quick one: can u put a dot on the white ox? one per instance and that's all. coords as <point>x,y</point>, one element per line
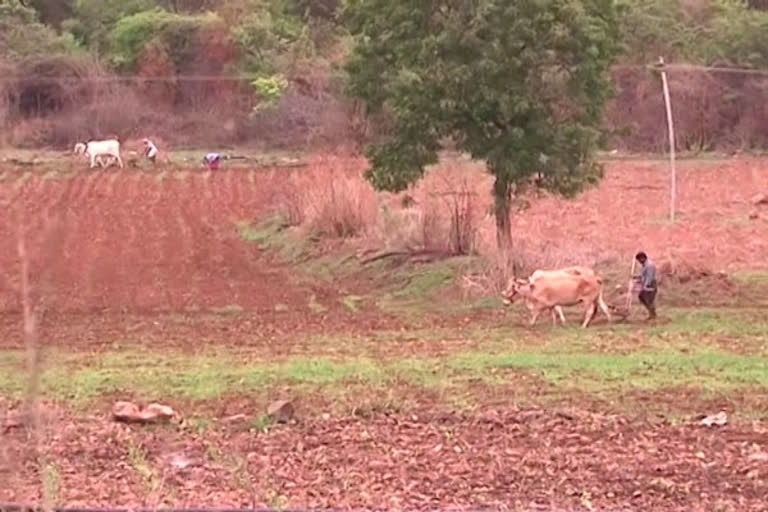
<point>509,294</point>
<point>96,149</point>
<point>551,289</point>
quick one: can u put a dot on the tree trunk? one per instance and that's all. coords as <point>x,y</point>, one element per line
<point>501,197</point>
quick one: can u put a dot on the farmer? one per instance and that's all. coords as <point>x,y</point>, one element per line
<point>211,161</point>
<point>647,282</point>
<point>150,150</point>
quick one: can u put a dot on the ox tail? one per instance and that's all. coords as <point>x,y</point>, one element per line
<point>603,305</point>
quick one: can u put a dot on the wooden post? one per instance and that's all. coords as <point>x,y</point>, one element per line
<point>630,286</point>
<point>671,132</point>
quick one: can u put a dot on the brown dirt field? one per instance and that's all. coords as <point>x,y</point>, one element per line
<point>126,251</point>
<point>119,243</point>
<point>508,460</point>
<point>629,211</point>
<point>131,241</point>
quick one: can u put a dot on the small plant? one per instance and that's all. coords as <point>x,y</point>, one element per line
<point>228,310</point>
<point>137,458</point>
<point>260,423</point>
<point>315,306</point>
<point>269,90</point>
<point>51,485</point>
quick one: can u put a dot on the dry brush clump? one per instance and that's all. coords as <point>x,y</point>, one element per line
<point>448,213</point>
<point>713,111</point>
<point>58,100</point>
<point>453,199</point>
<point>441,214</point>
<point>330,197</point>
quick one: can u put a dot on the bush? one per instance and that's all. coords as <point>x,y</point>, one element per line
<point>737,35</point>
<point>93,19</point>
<point>269,90</point>
<point>178,32</point>
<point>23,36</point>
<point>330,198</point>
<point>47,85</point>
<point>262,37</point>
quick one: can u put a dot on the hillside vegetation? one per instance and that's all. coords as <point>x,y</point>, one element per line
<point>290,58</point>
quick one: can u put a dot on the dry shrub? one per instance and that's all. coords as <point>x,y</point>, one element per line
<point>432,227</point>
<point>6,96</point>
<point>330,197</point>
<point>50,84</point>
<point>154,61</point>
<point>440,214</point>
<point>302,119</point>
<point>59,100</point>
<point>450,197</point>
<point>527,254</point>
<point>116,111</point>
<point>290,198</point>
<point>711,110</point>
<point>449,222</point>
<point>683,271</point>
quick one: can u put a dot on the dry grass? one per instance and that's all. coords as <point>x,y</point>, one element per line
<point>330,198</point>
<point>450,212</point>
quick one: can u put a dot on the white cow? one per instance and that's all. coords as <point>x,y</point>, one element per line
<point>509,294</point>
<point>96,149</point>
<point>564,287</point>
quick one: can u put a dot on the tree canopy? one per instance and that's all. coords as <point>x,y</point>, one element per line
<point>519,85</point>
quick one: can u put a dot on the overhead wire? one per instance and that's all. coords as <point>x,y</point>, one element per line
<point>241,77</point>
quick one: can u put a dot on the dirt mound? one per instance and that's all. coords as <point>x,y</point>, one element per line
<point>682,272</point>
<point>685,283</point>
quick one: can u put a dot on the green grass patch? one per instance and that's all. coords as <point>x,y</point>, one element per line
<point>350,302</point>
<point>415,288</point>
<point>230,309</point>
<point>644,370</point>
<point>272,235</point>
<point>264,234</point>
<point>757,278</point>
<point>700,355</point>
<point>331,266</point>
<point>609,375</point>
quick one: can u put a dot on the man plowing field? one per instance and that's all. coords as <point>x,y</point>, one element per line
<point>647,282</point>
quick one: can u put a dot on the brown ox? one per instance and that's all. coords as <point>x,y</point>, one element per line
<point>560,288</point>
<point>509,293</point>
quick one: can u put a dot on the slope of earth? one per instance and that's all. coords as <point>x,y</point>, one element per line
<point>102,245</point>
<point>108,241</point>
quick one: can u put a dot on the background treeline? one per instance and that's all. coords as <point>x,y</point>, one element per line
<point>64,68</point>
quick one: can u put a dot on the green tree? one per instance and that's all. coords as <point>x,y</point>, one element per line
<point>265,34</point>
<point>177,32</point>
<point>93,20</point>
<point>22,35</point>
<point>519,85</point>
<point>52,12</point>
<point>653,28</point>
<point>736,35</point>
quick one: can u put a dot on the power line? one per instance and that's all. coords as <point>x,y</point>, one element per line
<point>243,77</point>
<point>694,67</point>
<point>137,78</point>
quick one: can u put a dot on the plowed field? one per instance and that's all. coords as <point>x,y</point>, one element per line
<point>150,294</point>
<point>122,241</point>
